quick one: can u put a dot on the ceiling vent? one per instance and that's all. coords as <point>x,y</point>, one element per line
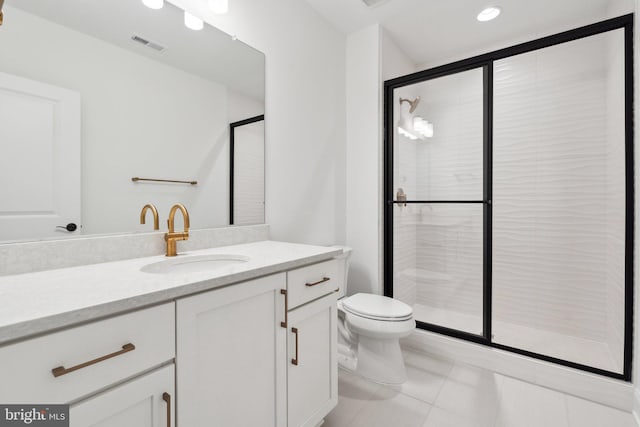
<point>372,3</point>
<point>148,43</point>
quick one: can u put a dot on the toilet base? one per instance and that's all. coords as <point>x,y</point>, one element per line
<point>380,360</point>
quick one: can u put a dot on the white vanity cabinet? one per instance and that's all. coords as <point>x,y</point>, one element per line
<point>312,373</point>
<point>231,356</point>
<point>145,401</point>
<point>312,380</point>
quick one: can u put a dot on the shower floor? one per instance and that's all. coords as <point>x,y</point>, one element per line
<point>565,347</point>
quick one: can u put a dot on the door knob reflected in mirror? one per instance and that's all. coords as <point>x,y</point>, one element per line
<point>71,227</point>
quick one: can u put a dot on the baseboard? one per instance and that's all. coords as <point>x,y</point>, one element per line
<point>607,391</point>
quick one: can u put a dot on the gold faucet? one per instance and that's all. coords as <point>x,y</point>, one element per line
<point>154,211</point>
<point>171,236</point>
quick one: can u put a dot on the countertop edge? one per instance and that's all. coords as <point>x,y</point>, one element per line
<point>21,331</point>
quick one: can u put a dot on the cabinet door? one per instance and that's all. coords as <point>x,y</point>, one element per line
<point>143,402</point>
<point>231,365</point>
<point>313,367</point>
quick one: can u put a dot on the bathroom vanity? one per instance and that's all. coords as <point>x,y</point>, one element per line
<point>234,336</point>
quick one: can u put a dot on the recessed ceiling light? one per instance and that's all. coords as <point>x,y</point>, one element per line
<point>489,13</point>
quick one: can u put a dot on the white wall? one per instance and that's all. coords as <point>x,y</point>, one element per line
<point>363,160</point>
<point>372,57</point>
<point>393,61</point>
<point>305,114</point>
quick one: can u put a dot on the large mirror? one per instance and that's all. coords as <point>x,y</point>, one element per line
<point>94,94</point>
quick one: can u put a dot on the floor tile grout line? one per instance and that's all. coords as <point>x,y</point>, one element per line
<point>426,417</point>
<point>435,399</point>
<point>496,416</point>
<point>430,406</point>
<point>566,408</point>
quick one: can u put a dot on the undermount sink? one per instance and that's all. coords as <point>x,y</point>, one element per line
<point>193,263</point>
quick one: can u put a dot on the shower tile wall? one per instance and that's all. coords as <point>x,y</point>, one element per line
<point>615,201</point>
<point>558,231</point>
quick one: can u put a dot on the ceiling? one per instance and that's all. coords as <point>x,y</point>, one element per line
<point>209,53</point>
<point>434,32</point>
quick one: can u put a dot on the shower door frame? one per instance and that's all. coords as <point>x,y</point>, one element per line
<point>232,159</point>
<point>485,62</point>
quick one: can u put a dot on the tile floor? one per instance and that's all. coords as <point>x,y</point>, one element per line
<point>443,394</point>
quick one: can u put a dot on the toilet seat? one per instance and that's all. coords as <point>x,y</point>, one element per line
<point>377,307</point>
<point>381,330</point>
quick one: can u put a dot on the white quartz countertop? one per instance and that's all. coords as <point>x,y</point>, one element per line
<point>35,303</point>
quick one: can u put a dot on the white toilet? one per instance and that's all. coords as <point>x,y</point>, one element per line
<point>369,329</point>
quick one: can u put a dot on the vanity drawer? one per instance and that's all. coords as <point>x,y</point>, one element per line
<point>88,357</point>
<point>308,283</point>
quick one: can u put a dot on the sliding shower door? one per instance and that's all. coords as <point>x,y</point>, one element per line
<point>438,212</point>
<point>509,198</point>
<point>559,201</point>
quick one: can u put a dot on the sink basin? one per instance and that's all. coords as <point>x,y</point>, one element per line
<point>193,263</point>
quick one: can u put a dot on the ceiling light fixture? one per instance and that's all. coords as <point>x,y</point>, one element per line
<point>219,6</point>
<point>489,13</point>
<point>193,22</point>
<point>153,4</point>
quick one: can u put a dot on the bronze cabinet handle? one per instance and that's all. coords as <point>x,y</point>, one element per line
<point>286,308</point>
<point>295,359</point>
<point>324,279</point>
<point>167,398</point>
<point>61,370</point>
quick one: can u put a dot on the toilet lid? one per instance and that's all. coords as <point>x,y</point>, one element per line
<point>377,307</point>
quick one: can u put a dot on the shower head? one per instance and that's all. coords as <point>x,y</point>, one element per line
<point>413,104</point>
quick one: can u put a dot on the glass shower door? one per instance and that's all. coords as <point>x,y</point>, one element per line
<point>558,272</point>
<point>439,203</point>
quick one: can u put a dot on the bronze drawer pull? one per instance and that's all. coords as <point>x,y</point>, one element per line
<point>324,279</point>
<point>167,398</point>
<point>61,370</point>
<point>295,360</point>
<point>286,308</point>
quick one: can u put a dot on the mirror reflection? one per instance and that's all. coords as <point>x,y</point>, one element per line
<point>93,94</point>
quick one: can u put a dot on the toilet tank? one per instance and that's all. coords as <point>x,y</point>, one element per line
<point>343,259</point>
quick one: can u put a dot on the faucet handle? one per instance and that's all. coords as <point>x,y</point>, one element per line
<point>176,236</point>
